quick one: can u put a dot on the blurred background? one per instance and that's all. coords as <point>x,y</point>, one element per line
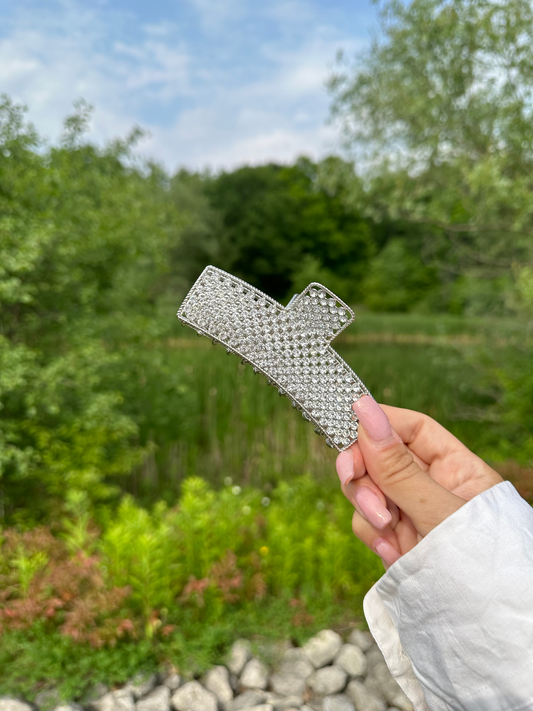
<point>156,499</point>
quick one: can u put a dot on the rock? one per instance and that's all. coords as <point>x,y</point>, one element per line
<point>156,700</point>
<point>380,682</point>
<point>173,681</point>
<point>321,649</point>
<point>217,681</point>
<point>94,694</point>
<point>272,652</point>
<point>68,707</point>
<point>328,680</point>
<point>315,704</point>
<point>120,700</point>
<point>363,640</point>
<point>193,697</point>
<point>255,675</point>
<point>352,660</point>
<point>240,654</point>
<point>362,699</point>
<point>305,708</point>
<point>374,656</point>
<point>8,704</point>
<point>261,707</point>
<point>48,699</point>
<point>340,702</point>
<point>284,703</point>
<point>290,678</point>
<point>248,699</point>
<point>141,684</point>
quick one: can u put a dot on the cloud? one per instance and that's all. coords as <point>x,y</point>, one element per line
<point>210,93</point>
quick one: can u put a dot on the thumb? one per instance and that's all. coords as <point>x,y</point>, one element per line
<point>393,468</point>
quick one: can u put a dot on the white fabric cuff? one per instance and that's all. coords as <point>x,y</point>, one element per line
<point>454,616</point>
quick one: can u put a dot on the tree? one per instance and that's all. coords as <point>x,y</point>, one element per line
<point>442,103</point>
<point>278,227</point>
<point>84,241</point>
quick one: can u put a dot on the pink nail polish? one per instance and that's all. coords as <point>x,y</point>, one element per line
<point>384,549</point>
<point>373,419</point>
<point>371,507</point>
<point>344,465</point>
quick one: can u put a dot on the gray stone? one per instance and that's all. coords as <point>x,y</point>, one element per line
<point>290,678</point>
<point>68,707</point>
<point>141,684</point>
<point>328,680</point>
<point>173,681</point>
<point>374,656</point>
<point>217,681</point>
<point>120,700</point>
<point>381,682</point>
<point>248,699</point>
<point>48,699</point>
<point>261,707</point>
<point>363,640</point>
<point>94,694</point>
<point>363,699</point>
<point>239,655</point>
<point>321,649</point>
<point>287,685</point>
<point>156,700</point>
<point>284,703</point>
<point>8,704</point>
<point>255,675</point>
<point>305,708</point>
<point>352,660</point>
<point>340,702</point>
<point>193,697</point>
<point>272,652</point>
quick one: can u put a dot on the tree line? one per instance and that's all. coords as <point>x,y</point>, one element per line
<point>97,248</point>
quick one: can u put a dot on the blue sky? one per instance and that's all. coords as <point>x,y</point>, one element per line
<point>217,83</point>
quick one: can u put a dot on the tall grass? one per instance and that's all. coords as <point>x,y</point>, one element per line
<point>239,427</point>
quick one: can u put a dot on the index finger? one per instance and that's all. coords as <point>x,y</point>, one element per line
<point>423,435</point>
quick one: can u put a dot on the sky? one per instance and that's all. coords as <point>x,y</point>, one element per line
<point>216,83</point>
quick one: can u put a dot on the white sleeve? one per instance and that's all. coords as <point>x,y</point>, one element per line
<point>454,616</point>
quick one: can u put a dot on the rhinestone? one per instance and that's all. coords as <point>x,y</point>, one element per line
<point>289,346</point>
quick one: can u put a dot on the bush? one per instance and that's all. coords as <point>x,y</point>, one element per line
<point>181,582</point>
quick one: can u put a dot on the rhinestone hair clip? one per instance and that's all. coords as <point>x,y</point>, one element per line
<point>290,345</point>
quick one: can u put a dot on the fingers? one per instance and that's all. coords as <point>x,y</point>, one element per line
<point>370,502</point>
<point>394,470</point>
<point>350,464</point>
<point>384,543</point>
<point>424,436</point>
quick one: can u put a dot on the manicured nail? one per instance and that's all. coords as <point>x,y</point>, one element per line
<point>384,549</point>
<point>372,508</point>
<point>344,466</point>
<point>373,419</point>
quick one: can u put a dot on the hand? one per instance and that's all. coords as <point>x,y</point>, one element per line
<point>405,475</point>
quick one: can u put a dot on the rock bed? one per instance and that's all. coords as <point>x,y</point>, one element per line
<point>326,674</point>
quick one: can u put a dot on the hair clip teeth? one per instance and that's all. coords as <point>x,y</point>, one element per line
<point>289,345</point>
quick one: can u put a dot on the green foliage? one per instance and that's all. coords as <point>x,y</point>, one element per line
<point>182,582</point>
<point>443,101</point>
<point>396,279</point>
<point>77,277</point>
<point>277,226</point>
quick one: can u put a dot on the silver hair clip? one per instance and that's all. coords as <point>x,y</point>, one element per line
<point>290,345</point>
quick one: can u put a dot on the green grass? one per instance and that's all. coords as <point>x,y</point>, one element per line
<point>239,427</point>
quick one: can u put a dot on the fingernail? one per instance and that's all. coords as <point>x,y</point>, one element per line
<point>384,549</point>
<point>373,419</point>
<point>372,508</point>
<point>344,466</point>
